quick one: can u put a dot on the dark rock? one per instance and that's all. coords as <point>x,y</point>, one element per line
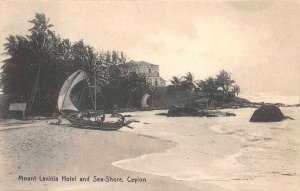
<point>128,116</point>
<point>190,111</point>
<point>163,114</point>
<point>267,113</point>
<point>211,115</point>
<point>229,114</point>
<point>182,111</point>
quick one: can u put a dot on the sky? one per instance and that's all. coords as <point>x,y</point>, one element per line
<point>258,42</point>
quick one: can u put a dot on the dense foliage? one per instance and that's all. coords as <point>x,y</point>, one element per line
<point>40,62</point>
<point>220,89</point>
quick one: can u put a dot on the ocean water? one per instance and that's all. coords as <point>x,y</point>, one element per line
<point>230,152</point>
<point>271,98</point>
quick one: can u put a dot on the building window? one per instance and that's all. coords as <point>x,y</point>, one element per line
<point>156,83</point>
<point>149,70</point>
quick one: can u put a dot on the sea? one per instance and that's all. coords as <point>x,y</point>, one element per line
<point>229,152</point>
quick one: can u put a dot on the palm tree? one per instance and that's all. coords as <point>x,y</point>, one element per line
<point>35,60</point>
<point>42,57</point>
<point>43,44</point>
<point>14,68</point>
<point>176,86</point>
<point>236,90</point>
<point>188,84</point>
<point>41,23</point>
<point>137,85</point>
<point>208,87</point>
<point>225,82</point>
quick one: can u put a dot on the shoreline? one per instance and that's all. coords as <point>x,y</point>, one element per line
<point>47,151</point>
<point>208,153</point>
<point>232,105</point>
<point>231,171</point>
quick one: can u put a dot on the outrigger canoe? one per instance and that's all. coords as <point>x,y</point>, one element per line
<point>64,104</point>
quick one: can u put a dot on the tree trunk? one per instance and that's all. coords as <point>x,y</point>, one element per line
<point>34,90</point>
<point>128,101</point>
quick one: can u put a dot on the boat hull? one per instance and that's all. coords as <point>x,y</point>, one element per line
<point>88,124</point>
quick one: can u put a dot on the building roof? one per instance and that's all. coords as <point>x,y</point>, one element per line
<point>140,63</point>
<point>162,79</point>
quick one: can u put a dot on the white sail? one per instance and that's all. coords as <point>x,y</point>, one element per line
<point>144,100</point>
<point>64,102</point>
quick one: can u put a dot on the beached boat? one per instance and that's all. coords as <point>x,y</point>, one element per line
<point>74,116</point>
<point>89,124</point>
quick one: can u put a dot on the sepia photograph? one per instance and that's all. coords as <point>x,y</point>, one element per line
<point>184,95</point>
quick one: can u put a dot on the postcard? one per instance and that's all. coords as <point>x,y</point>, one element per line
<point>149,95</point>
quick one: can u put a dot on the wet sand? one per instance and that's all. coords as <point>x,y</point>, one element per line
<point>47,150</point>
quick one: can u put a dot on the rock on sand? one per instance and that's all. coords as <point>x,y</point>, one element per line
<point>267,113</point>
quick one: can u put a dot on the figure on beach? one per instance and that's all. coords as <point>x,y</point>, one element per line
<point>88,115</point>
<point>102,119</point>
<point>122,119</point>
<point>96,116</point>
<point>79,115</point>
<point>59,120</point>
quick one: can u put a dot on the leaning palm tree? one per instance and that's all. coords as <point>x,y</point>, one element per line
<point>43,45</point>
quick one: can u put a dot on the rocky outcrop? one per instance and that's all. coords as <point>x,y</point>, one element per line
<point>190,111</point>
<point>268,113</point>
<point>182,111</point>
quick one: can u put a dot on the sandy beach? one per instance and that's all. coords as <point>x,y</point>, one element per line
<point>185,153</point>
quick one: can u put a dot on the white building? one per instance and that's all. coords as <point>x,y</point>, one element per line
<point>151,71</point>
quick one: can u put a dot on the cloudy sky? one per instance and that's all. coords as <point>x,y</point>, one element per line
<point>257,41</point>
